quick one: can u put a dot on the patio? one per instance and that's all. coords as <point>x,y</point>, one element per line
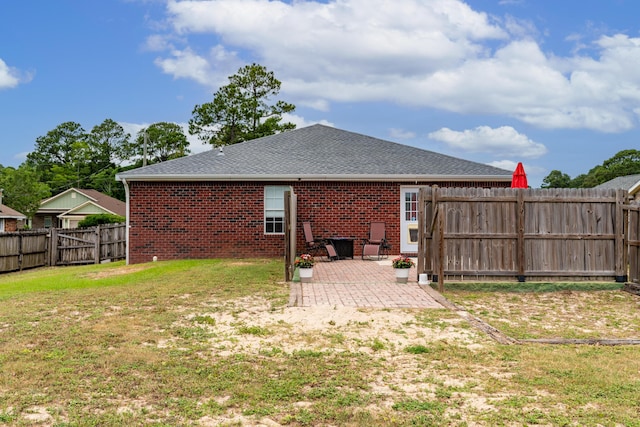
<point>360,283</point>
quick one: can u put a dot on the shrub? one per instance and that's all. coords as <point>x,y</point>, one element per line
<point>97,219</point>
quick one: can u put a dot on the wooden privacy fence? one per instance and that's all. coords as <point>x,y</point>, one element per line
<point>56,246</point>
<point>541,234</point>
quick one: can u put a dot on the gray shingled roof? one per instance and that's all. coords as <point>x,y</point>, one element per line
<point>7,212</point>
<point>621,182</point>
<point>317,152</point>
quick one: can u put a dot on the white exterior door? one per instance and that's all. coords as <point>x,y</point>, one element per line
<point>409,219</point>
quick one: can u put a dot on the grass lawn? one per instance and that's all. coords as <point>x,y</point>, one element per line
<point>212,342</point>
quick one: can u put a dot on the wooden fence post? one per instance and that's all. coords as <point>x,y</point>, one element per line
<point>437,241</point>
<point>20,254</point>
<point>620,255</point>
<point>421,232</point>
<point>96,255</point>
<point>441,250</point>
<point>520,242</point>
<point>53,247</point>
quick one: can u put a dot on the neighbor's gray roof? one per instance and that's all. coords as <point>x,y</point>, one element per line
<point>627,183</point>
<point>317,152</point>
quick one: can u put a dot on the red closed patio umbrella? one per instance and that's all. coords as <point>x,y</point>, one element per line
<point>519,178</point>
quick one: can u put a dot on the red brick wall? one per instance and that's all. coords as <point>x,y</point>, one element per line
<point>179,220</point>
<point>346,209</point>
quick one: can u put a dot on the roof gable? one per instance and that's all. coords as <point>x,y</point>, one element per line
<point>75,197</point>
<point>318,152</point>
<point>65,200</point>
<point>87,208</point>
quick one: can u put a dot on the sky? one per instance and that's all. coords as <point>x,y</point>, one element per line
<point>552,84</point>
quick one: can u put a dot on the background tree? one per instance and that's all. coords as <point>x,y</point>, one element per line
<point>165,141</point>
<point>67,156</point>
<point>556,179</point>
<point>22,189</point>
<point>241,111</point>
<point>107,143</point>
<point>59,156</point>
<point>625,162</point>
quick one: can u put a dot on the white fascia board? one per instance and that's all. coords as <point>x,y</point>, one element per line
<point>634,189</point>
<point>12,217</point>
<point>356,178</point>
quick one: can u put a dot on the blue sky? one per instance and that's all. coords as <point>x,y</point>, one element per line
<point>553,84</point>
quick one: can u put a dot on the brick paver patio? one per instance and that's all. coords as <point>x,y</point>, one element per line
<point>358,283</point>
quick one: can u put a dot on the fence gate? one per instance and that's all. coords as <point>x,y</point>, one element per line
<point>290,215</point>
<point>523,234</point>
<point>633,243</point>
<point>80,246</point>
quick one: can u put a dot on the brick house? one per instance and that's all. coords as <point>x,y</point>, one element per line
<point>229,202</point>
<point>9,218</point>
<point>67,209</point>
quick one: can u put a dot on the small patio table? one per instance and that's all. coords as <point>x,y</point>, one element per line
<point>343,245</point>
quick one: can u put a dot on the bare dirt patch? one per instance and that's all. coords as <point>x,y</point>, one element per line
<point>565,314</point>
<point>116,272</point>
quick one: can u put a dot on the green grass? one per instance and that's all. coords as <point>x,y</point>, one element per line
<point>531,286</point>
<point>181,343</point>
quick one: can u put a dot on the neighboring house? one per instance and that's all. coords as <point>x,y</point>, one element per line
<point>67,209</point>
<point>9,218</point>
<point>630,183</point>
<point>229,202</point>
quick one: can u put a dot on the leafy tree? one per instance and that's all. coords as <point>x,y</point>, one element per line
<point>22,190</point>
<point>164,141</point>
<point>64,147</point>
<point>67,156</point>
<point>625,162</point>
<point>556,179</point>
<point>106,143</point>
<point>241,111</point>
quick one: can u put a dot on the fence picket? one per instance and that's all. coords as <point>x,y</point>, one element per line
<point>583,234</point>
<point>29,249</point>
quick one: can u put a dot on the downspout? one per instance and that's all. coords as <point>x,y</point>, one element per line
<point>128,214</point>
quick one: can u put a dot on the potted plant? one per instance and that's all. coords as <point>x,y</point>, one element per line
<point>402,264</point>
<point>305,267</point>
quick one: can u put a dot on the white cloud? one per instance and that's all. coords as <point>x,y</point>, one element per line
<point>340,39</point>
<point>439,54</point>
<point>9,77</point>
<point>316,104</point>
<point>535,174</point>
<point>187,64</point>
<point>22,156</point>
<point>301,122</point>
<point>401,134</point>
<point>509,165</point>
<point>504,140</point>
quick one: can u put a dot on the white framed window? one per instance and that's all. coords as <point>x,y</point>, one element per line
<point>274,209</point>
<point>48,222</point>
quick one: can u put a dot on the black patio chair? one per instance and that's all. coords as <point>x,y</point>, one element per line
<point>314,246</point>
